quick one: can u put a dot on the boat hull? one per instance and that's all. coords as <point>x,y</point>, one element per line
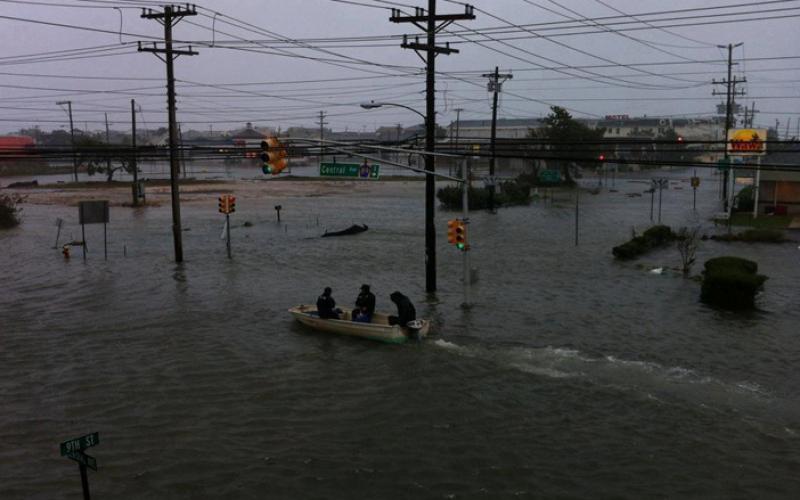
<point>379,329</point>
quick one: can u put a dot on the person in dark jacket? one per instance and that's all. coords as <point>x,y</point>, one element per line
<point>365,305</point>
<point>405,310</point>
<point>326,306</point>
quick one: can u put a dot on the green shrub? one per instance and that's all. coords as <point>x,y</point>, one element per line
<point>744,200</point>
<point>731,283</point>
<point>727,263</point>
<point>508,193</point>
<point>659,235</point>
<point>654,237</point>
<point>9,211</point>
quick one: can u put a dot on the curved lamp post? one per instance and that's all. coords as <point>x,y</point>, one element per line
<point>373,105</point>
<point>430,233</point>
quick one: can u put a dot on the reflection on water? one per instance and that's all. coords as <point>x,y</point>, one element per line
<point>571,374</point>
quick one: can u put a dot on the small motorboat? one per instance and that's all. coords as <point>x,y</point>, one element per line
<point>379,329</point>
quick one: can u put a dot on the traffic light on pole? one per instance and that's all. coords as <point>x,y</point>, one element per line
<point>231,204</point>
<point>452,224</point>
<point>223,204</point>
<point>273,156</point>
<point>461,235</point>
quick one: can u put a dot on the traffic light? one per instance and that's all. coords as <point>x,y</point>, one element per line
<point>223,204</point>
<point>452,224</point>
<point>273,156</point>
<point>231,204</point>
<point>602,157</point>
<point>461,235</point>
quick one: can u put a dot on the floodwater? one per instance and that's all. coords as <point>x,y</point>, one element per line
<point>572,376</point>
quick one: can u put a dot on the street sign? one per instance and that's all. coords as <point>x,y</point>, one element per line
<point>93,212</point>
<point>550,176</point>
<point>723,164</point>
<point>83,459</point>
<point>81,443</point>
<point>362,171</point>
<point>695,182</point>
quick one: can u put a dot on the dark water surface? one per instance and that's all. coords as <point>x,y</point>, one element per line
<point>573,375</point>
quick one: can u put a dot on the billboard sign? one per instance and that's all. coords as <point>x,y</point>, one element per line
<point>747,141</point>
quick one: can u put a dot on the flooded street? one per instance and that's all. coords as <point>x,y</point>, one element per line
<point>572,376</point>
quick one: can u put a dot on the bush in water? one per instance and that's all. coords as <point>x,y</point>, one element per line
<point>654,237</point>
<point>9,211</point>
<point>731,283</point>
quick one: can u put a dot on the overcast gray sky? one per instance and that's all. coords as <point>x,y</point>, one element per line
<point>278,63</point>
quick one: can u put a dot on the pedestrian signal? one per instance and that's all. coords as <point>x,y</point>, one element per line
<point>274,157</point>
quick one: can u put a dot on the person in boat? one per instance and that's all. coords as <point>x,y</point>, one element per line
<point>405,310</point>
<point>326,306</point>
<point>365,306</point>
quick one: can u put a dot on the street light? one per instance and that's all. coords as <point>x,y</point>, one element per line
<point>373,105</point>
<point>430,183</point>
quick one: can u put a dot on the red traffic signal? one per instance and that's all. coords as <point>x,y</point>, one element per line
<point>602,157</point>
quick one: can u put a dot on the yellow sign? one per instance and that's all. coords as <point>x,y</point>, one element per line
<point>747,141</point>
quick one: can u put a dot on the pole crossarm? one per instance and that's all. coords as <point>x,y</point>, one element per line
<point>421,17</point>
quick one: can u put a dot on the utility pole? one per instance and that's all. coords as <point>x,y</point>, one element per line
<point>322,124</point>
<point>134,167</point>
<point>108,142</point>
<point>730,92</point>
<point>171,16</point>
<point>454,144</point>
<point>427,21</point>
<point>72,137</point>
<point>495,85</point>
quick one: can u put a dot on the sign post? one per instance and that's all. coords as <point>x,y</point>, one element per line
<point>695,184</point>
<point>748,142</point>
<point>74,450</point>
<point>93,212</point>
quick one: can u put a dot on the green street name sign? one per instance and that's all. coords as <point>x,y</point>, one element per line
<point>550,176</point>
<point>80,444</point>
<point>349,170</point>
<point>83,459</point>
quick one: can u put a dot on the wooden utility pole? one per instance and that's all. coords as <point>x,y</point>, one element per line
<point>171,16</point>
<point>430,23</point>
<point>72,138</point>
<point>108,143</point>
<point>730,92</point>
<point>134,166</point>
<point>495,85</point>
<point>322,124</point>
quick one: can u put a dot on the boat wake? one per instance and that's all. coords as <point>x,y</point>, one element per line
<point>649,379</point>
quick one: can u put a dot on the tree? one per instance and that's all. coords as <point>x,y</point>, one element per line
<point>101,158</point>
<point>687,241</point>
<point>566,141</point>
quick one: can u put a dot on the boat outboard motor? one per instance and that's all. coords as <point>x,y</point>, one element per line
<point>413,328</point>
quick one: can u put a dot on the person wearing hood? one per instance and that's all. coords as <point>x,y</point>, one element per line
<point>365,306</point>
<point>405,310</point>
<point>326,306</point>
